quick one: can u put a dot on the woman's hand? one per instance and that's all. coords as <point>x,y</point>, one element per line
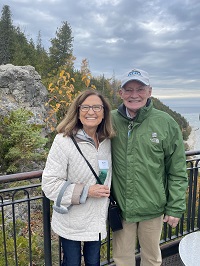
<point>98,191</point>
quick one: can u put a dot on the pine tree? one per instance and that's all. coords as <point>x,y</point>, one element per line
<point>6,33</point>
<point>42,58</point>
<point>61,48</point>
<point>21,142</point>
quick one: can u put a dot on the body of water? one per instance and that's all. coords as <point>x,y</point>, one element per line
<point>183,105</point>
<point>190,109</point>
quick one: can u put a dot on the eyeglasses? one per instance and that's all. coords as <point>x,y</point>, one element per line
<point>95,108</point>
<point>139,90</point>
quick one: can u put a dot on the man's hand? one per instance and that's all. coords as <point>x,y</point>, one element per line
<point>172,221</point>
<point>98,191</point>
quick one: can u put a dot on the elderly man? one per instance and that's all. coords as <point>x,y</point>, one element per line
<point>149,171</point>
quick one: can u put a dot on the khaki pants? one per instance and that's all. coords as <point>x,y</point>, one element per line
<point>148,233</point>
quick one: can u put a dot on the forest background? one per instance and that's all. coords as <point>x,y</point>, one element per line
<point>63,81</point>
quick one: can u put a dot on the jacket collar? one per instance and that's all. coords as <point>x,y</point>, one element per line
<point>81,135</point>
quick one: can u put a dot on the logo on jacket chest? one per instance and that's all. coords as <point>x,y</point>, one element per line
<point>154,138</point>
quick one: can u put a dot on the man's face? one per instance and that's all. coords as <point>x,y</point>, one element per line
<point>134,95</point>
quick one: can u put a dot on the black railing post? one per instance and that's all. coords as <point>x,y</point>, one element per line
<point>198,213</point>
<point>47,231</point>
<point>198,193</point>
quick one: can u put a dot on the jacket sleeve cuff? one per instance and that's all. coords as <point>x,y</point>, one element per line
<point>84,194</point>
<point>77,194</point>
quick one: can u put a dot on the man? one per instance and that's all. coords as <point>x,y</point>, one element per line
<point>149,172</point>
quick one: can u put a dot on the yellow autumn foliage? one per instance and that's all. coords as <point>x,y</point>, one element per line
<point>61,94</point>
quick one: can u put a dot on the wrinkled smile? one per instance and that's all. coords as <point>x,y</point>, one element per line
<point>134,101</point>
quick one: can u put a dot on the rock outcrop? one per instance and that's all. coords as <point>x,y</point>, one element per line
<point>21,87</point>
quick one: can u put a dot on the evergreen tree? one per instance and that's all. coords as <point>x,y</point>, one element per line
<point>20,49</point>
<point>6,32</point>
<point>39,46</point>
<point>61,48</point>
<point>42,58</point>
<point>16,49</point>
<point>21,142</point>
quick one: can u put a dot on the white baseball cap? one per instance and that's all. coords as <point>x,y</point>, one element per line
<point>135,74</point>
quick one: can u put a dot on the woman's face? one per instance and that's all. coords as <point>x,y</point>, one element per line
<point>91,117</point>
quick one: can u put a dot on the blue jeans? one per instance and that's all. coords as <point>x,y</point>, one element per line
<point>72,252</point>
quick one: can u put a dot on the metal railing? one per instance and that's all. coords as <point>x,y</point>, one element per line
<point>25,213</point>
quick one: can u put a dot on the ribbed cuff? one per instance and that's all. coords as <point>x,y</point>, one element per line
<point>77,193</point>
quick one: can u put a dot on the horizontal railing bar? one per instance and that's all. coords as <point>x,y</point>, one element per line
<point>20,176</point>
<point>190,153</point>
<point>7,203</point>
<point>20,188</point>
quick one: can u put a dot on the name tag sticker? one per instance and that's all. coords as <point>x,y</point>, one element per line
<point>103,164</point>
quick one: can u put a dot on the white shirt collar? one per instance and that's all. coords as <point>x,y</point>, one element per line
<point>128,114</point>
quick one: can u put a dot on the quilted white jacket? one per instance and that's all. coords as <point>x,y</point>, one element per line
<point>83,222</point>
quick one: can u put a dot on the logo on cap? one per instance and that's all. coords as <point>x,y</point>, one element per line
<point>134,72</point>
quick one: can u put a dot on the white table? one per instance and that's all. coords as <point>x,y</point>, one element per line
<point>189,249</point>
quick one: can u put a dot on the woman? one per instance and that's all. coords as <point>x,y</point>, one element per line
<point>80,203</point>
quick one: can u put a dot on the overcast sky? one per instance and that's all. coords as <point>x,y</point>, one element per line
<point>161,37</point>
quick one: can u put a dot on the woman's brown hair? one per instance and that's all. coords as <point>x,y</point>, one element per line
<point>71,123</point>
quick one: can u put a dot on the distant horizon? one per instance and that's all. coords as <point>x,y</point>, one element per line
<point>168,93</point>
<point>182,105</point>
<point>177,97</point>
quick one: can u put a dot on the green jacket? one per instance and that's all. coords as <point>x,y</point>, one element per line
<point>149,164</point>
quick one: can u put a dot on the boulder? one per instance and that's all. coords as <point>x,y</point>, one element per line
<point>21,87</point>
